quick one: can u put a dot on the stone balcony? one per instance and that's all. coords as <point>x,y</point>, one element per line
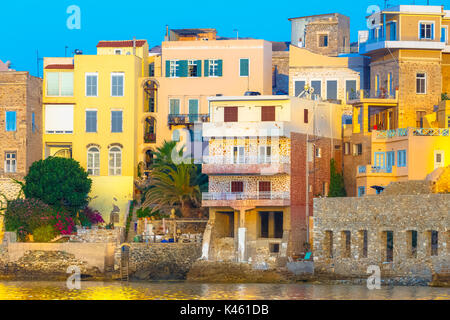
<point>225,165</point>
<point>246,199</point>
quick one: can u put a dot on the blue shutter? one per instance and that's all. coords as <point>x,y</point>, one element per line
<point>206,73</point>
<point>432,31</point>
<point>116,119</point>
<point>243,68</point>
<point>33,122</point>
<point>10,120</point>
<point>182,69</point>
<point>219,68</point>
<point>167,68</point>
<point>199,67</point>
<point>193,110</point>
<point>443,35</point>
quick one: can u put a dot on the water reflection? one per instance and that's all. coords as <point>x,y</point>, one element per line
<point>183,290</point>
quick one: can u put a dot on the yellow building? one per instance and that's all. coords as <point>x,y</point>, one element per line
<point>408,47</point>
<point>91,114</point>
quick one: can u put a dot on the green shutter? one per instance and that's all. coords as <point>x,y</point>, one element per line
<point>199,67</point>
<point>206,68</point>
<point>167,68</point>
<point>219,68</point>
<point>183,68</point>
<point>244,68</point>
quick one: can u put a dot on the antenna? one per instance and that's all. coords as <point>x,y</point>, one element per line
<point>37,61</point>
<point>237,33</point>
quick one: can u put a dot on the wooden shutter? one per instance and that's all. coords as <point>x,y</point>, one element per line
<point>264,186</point>
<point>199,67</point>
<point>219,68</point>
<point>206,72</point>
<point>237,186</point>
<point>268,114</point>
<point>244,68</point>
<point>230,114</point>
<point>182,69</point>
<point>305,115</point>
<point>167,68</point>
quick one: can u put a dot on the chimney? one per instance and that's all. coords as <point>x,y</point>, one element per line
<point>134,46</point>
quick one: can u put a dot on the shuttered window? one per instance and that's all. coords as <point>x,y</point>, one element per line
<point>116,121</point>
<point>11,120</point>
<point>237,186</point>
<point>91,84</point>
<point>331,90</point>
<point>174,106</point>
<point>299,87</point>
<point>244,67</point>
<point>264,186</point>
<point>230,114</point>
<point>268,114</point>
<point>91,121</point>
<point>305,116</point>
<point>117,84</point>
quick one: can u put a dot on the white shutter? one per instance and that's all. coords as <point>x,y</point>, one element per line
<point>59,118</point>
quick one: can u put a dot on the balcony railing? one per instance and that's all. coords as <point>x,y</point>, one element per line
<point>245,160</point>
<point>367,94</point>
<point>183,119</point>
<point>403,132</point>
<point>150,138</point>
<point>361,169</point>
<point>274,195</point>
<point>375,169</point>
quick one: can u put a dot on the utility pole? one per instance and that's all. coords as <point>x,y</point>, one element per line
<point>237,33</point>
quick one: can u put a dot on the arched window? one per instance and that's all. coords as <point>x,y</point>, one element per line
<point>115,161</point>
<point>93,161</point>
<point>176,135</point>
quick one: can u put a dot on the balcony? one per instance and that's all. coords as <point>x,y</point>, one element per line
<point>246,199</point>
<point>382,43</point>
<point>186,119</point>
<point>368,96</point>
<point>149,138</point>
<point>227,165</point>
<point>247,129</point>
<point>416,132</point>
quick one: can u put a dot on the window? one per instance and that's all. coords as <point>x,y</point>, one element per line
<point>421,83</point>
<point>377,85</point>
<point>361,191</point>
<point>230,114</point>
<point>193,110</point>
<point>419,118</point>
<point>317,86</point>
<point>264,188</point>
<point>426,31</point>
<point>379,159</point>
<point>118,51</point>
<point>318,152</point>
<point>265,154</point>
<point>332,89</point>
<point>10,162</point>
<point>323,40</point>
<point>237,186</point>
<point>174,106</point>
<point>444,34</point>
<point>328,244</point>
<point>350,89</point>
<point>393,31</point>
<point>116,121</point>
<point>347,148</point>
<point>117,83</point>
<point>91,120</point>
<point>346,244</point>
<point>91,84</point>
<point>448,121</point>
<point>151,69</point>
<point>390,83</point>
<point>244,67</point>
<point>357,149</point>
<point>11,120</point>
<point>267,113</point>
<point>401,158</point>
<point>412,243</point>
<point>438,159</point>
<point>299,87</point>
<point>173,70</point>
<point>192,68</point>
<point>238,154</point>
<point>271,226</point>
<point>115,161</point>
<point>33,122</point>
<point>59,119</point>
<point>305,115</point>
<point>176,135</point>
<point>213,68</point>
<point>363,243</point>
<point>434,235</point>
<point>388,239</point>
<point>93,161</point>
<point>60,84</point>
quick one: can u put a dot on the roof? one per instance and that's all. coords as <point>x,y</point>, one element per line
<point>120,43</point>
<point>155,49</point>
<point>317,15</point>
<point>195,31</point>
<point>280,45</point>
<point>60,66</point>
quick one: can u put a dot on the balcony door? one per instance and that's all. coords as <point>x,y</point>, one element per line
<point>379,160</point>
<point>265,154</point>
<point>264,189</point>
<point>390,160</point>
<point>239,154</point>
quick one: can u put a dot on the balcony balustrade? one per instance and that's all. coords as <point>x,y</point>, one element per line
<point>418,132</point>
<point>149,137</point>
<point>187,119</point>
<point>271,195</point>
<point>245,160</point>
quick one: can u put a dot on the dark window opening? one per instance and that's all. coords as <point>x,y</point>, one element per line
<point>412,241</point>
<point>305,115</point>
<point>434,243</point>
<point>268,114</point>
<point>346,244</point>
<point>328,244</point>
<point>231,114</point>
<point>237,186</point>
<point>389,238</point>
<point>271,224</point>
<point>274,247</point>
<point>364,246</point>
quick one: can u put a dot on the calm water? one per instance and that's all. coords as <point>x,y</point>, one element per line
<point>30,290</point>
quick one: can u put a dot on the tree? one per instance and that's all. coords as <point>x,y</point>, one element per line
<point>336,182</point>
<point>58,182</point>
<point>173,187</point>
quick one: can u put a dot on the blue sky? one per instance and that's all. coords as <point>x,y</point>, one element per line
<point>29,25</point>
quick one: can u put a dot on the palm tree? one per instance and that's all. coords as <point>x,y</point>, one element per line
<point>173,186</point>
<point>164,154</point>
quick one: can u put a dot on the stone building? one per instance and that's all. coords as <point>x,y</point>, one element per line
<point>20,123</point>
<point>280,67</point>
<point>268,157</point>
<point>409,52</point>
<point>403,231</point>
<point>325,34</point>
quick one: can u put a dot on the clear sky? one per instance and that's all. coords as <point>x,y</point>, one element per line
<point>28,25</point>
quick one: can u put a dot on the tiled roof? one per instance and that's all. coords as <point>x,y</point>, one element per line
<point>59,66</point>
<point>120,44</point>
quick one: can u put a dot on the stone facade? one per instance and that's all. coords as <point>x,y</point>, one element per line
<point>22,93</point>
<point>96,235</point>
<point>280,67</point>
<point>342,224</point>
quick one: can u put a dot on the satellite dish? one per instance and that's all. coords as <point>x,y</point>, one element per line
<point>78,51</point>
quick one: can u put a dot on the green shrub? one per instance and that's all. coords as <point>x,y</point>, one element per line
<point>44,233</point>
<point>27,215</point>
<point>58,182</point>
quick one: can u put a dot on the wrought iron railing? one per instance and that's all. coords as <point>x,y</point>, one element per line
<point>263,195</point>
<point>180,119</point>
<point>403,132</point>
<point>245,160</point>
<point>149,137</point>
<point>377,169</point>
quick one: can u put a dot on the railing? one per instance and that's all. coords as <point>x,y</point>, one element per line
<point>150,138</point>
<point>376,169</point>
<point>245,160</point>
<point>180,119</point>
<point>403,132</point>
<point>275,195</point>
<point>367,94</point>
<point>343,50</point>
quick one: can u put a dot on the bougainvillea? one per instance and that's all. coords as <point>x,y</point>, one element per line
<point>89,217</point>
<point>63,223</point>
